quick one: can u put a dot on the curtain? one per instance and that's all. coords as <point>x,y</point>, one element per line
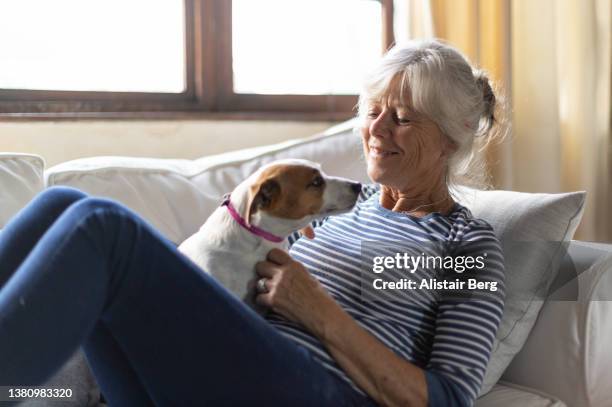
<point>552,60</point>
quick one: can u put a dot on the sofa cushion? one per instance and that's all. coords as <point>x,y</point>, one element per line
<point>511,395</point>
<point>534,230</point>
<point>76,376</point>
<point>21,177</point>
<point>177,196</point>
<point>568,352</point>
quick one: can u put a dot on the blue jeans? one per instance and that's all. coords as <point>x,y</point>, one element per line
<point>83,271</point>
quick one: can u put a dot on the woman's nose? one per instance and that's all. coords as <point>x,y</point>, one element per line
<point>380,126</point>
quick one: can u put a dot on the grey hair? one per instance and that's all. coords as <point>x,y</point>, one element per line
<point>444,87</point>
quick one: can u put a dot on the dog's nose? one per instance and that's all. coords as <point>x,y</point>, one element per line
<point>356,187</point>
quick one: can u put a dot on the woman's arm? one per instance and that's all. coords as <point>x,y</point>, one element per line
<point>389,379</point>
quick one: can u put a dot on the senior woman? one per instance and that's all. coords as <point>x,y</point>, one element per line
<point>77,270</point>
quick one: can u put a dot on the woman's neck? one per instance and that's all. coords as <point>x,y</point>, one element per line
<point>417,202</point>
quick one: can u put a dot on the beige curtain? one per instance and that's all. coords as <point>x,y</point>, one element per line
<point>552,58</point>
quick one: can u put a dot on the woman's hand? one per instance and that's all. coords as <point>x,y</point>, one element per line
<point>299,297</point>
<point>308,231</point>
<point>291,290</point>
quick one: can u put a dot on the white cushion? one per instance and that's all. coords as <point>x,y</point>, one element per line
<point>511,395</point>
<point>568,352</point>
<point>530,228</point>
<point>177,196</point>
<point>21,177</point>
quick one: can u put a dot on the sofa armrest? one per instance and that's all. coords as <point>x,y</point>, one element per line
<point>21,178</point>
<point>505,394</point>
<point>567,353</point>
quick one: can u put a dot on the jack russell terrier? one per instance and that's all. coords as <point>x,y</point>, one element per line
<point>259,215</point>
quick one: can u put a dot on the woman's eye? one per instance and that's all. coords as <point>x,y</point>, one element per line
<point>372,114</point>
<point>317,182</point>
<point>402,120</point>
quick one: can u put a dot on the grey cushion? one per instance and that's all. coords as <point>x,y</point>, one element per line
<point>531,228</point>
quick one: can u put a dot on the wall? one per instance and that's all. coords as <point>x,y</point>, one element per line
<point>66,140</point>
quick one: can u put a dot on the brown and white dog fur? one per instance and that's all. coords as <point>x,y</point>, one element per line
<point>280,198</point>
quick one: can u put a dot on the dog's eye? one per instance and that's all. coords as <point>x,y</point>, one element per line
<point>317,182</point>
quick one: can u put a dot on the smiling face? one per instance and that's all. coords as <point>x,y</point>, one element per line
<point>402,147</point>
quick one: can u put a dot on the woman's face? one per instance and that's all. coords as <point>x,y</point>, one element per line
<point>403,148</point>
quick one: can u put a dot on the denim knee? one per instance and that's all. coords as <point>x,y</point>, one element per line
<point>94,203</point>
<point>61,196</point>
<point>91,206</point>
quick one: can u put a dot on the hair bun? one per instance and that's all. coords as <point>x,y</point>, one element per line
<point>488,96</point>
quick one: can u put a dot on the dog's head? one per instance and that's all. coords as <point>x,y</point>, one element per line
<point>294,192</point>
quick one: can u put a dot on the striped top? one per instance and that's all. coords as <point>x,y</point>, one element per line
<point>450,337</point>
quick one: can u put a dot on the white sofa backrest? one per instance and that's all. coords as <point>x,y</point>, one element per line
<point>176,196</point>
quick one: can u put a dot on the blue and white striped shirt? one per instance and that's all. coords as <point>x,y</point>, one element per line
<point>448,337</point>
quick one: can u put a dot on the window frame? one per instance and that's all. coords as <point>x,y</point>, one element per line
<point>208,83</point>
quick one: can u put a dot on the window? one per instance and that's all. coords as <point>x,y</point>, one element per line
<point>189,56</point>
<point>326,57</point>
<point>95,48</point>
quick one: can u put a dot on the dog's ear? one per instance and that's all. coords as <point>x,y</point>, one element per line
<point>261,197</point>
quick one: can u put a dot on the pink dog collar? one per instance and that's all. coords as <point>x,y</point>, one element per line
<point>253,229</point>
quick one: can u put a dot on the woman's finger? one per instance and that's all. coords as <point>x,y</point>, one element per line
<point>308,231</point>
<point>279,256</point>
<point>263,299</point>
<point>266,269</point>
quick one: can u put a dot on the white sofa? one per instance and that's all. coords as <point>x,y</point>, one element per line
<point>564,361</point>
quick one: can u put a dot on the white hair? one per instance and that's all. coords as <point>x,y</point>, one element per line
<point>444,87</point>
